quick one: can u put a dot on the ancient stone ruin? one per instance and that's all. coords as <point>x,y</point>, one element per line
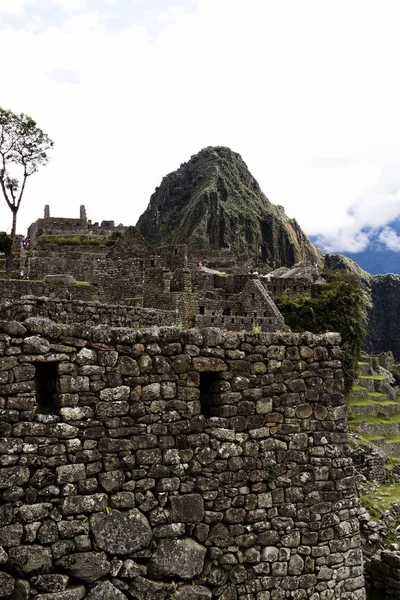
<point>157,463</point>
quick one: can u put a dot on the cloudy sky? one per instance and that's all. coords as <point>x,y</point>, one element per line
<point>306,91</point>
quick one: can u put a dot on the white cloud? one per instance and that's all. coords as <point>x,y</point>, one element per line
<point>13,7</point>
<point>71,6</point>
<point>305,91</point>
<point>389,237</point>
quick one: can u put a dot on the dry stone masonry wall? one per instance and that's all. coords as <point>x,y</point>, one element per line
<point>89,313</point>
<point>158,464</point>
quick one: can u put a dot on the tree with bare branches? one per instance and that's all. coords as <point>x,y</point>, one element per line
<point>23,149</point>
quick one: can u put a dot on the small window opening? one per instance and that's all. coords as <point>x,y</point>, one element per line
<point>47,387</point>
<point>152,263</point>
<point>176,251</point>
<point>253,297</point>
<point>226,311</point>
<point>141,264</point>
<point>209,393</point>
<point>201,310</point>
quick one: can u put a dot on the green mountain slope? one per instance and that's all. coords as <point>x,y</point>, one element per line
<point>212,202</point>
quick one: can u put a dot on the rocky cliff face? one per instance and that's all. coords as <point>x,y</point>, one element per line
<point>214,203</point>
<point>383,292</point>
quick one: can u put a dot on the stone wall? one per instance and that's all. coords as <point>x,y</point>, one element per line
<point>88,313</point>
<point>119,280</point>
<point>173,257</point>
<point>76,263</point>
<point>12,289</point>
<point>385,574</point>
<point>156,464</point>
<point>293,287</point>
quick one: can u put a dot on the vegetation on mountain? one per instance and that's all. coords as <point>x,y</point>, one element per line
<point>339,306</point>
<point>214,203</point>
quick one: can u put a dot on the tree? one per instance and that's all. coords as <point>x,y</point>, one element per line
<point>339,306</point>
<point>23,149</point>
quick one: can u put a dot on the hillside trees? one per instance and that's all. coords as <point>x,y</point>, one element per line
<point>23,149</point>
<point>339,306</point>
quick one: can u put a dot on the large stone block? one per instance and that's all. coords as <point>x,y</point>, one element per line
<point>29,560</point>
<point>183,558</point>
<point>121,533</point>
<point>85,566</point>
<point>187,509</point>
<point>105,591</point>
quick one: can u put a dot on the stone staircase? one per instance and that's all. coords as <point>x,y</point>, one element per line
<point>19,262</point>
<point>374,408</point>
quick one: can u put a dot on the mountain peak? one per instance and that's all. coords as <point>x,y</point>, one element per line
<point>212,203</point>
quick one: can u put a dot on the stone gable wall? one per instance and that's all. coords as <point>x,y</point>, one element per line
<point>188,465</point>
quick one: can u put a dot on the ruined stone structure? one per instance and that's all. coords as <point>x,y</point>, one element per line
<point>61,225</point>
<point>155,464</point>
<point>126,269</point>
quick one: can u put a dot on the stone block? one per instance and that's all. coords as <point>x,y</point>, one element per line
<point>183,558</point>
<point>121,532</point>
<point>187,509</point>
<point>85,566</point>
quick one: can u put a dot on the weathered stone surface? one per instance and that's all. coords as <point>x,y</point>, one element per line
<point>13,328</point>
<point>121,532</point>
<point>50,583</point>
<point>121,392</point>
<point>193,592</point>
<point>76,592</point>
<point>43,326</point>
<point>10,476</point>
<point>112,480</point>
<point>188,508</point>
<point>105,591</point>
<point>36,345</point>
<point>70,473</point>
<point>83,504</point>
<point>7,584</point>
<point>33,512</point>
<point>183,558</point>
<point>22,590</point>
<point>29,560</point>
<point>85,566</point>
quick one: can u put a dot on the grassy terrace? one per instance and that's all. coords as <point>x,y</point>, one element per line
<point>371,402</point>
<point>356,419</point>
<point>381,497</point>
<point>74,240</point>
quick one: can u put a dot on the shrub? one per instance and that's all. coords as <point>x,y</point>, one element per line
<point>339,306</point>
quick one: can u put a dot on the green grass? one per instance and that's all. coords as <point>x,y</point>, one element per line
<point>375,377</point>
<point>73,240</point>
<point>373,420</point>
<point>392,438</point>
<point>393,461</point>
<point>387,494</point>
<point>368,438</point>
<point>368,402</point>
